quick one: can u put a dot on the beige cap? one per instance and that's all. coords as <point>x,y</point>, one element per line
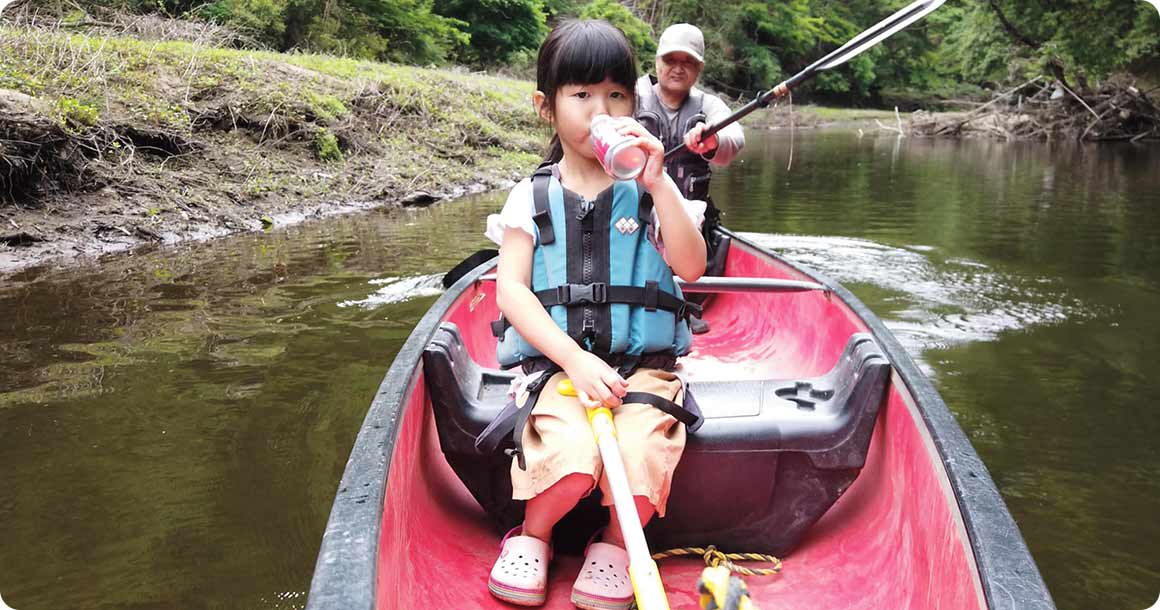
<point>682,37</point>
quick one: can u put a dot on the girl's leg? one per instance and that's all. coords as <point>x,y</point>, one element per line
<point>612,535</point>
<point>546,509</point>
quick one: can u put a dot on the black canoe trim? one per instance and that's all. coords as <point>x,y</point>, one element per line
<point>345,574</point>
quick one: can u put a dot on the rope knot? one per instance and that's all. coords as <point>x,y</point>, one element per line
<point>714,558</point>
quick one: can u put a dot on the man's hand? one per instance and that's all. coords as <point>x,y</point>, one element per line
<point>694,142</point>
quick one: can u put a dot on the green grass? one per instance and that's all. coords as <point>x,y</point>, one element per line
<point>377,127</point>
<point>845,114</point>
<point>156,83</point>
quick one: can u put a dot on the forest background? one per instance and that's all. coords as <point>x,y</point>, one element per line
<point>965,47</point>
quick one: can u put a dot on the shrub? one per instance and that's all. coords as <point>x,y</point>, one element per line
<point>326,146</point>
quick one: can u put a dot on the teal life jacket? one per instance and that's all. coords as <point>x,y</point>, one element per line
<point>599,276</point>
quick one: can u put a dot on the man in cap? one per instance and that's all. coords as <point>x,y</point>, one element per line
<point>674,110</point>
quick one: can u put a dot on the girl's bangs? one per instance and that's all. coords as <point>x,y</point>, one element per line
<point>593,55</point>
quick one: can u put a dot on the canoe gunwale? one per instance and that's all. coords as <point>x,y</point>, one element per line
<point>345,575</point>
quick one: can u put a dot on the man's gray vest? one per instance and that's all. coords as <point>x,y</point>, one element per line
<point>689,170</point>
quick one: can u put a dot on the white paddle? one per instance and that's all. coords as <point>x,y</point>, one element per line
<point>642,570</point>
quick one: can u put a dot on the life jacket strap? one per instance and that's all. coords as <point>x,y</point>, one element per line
<point>599,293</point>
<point>645,210</point>
<point>680,413</point>
<point>498,326</point>
<point>513,419</point>
<point>542,215</point>
<point>571,295</point>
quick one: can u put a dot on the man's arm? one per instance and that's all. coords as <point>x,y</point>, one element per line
<point>730,140</point>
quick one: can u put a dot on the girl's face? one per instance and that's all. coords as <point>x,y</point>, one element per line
<point>576,105</point>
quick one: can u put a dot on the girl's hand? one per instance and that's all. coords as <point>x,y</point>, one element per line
<point>596,383</point>
<point>654,167</point>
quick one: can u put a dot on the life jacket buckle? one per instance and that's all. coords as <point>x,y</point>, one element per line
<point>598,292</point>
<point>576,294</point>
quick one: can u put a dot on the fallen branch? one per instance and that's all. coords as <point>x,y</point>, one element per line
<point>1080,100</point>
<point>970,115</point>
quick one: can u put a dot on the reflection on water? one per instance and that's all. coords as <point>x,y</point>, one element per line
<point>173,423</point>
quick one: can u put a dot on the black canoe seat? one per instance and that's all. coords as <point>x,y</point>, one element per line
<point>770,459</point>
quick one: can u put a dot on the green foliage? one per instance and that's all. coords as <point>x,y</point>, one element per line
<point>638,32</point>
<point>560,9</point>
<point>396,30</point>
<point>75,115</point>
<point>326,146</point>
<point>498,29</point>
<point>325,108</point>
<point>750,44</point>
<point>265,20</point>
<point>13,76</point>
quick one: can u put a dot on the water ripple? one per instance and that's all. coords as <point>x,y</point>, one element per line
<point>397,290</point>
<point>935,303</point>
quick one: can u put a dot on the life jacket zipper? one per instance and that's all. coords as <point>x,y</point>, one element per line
<point>588,328</point>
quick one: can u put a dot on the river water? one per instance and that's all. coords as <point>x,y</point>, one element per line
<point>173,423</point>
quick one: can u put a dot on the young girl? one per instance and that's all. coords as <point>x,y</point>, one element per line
<point>585,284</point>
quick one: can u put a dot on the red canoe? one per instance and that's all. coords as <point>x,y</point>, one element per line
<point>812,410</point>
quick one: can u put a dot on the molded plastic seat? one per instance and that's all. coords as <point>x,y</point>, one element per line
<point>771,458</point>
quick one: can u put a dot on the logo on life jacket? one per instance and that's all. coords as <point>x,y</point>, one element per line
<point>627,226</point>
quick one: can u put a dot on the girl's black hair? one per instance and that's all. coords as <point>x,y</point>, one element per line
<point>582,52</point>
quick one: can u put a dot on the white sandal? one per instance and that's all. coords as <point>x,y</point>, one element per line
<point>603,583</point>
<point>520,574</point>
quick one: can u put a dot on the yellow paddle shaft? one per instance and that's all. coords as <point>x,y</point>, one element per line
<point>642,570</point>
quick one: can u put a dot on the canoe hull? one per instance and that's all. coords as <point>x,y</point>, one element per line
<point>922,526</point>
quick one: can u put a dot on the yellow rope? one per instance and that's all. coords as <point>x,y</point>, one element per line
<point>714,558</point>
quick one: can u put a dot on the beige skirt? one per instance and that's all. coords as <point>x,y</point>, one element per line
<point>558,441</point>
